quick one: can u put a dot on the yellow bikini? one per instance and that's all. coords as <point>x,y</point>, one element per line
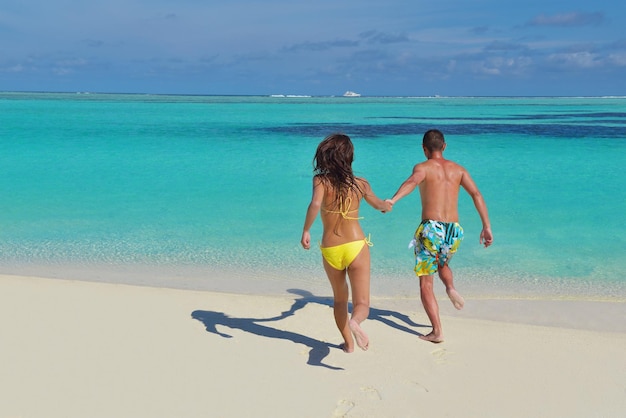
<point>342,255</point>
<point>344,209</point>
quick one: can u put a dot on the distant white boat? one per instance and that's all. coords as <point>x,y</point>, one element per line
<point>351,94</point>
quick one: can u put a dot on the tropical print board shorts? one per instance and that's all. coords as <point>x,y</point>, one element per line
<point>434,244</point>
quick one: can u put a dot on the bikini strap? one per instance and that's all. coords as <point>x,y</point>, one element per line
<point>344,206</point>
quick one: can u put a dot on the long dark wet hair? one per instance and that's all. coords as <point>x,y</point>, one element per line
<point>333,165</point>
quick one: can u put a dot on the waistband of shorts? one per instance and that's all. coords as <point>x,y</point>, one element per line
<point>426,221</point>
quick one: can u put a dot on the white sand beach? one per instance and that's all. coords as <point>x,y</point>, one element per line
<point>75,349</point>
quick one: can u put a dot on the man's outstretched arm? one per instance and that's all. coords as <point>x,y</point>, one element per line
<point>409,184</point>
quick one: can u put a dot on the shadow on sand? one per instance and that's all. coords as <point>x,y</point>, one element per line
<point>318,349</point>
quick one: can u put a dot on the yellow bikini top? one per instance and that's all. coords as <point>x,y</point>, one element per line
<point>344,209</point>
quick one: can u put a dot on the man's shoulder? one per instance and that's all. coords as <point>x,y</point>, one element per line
<point>452,165</point>
<point>421,164</point>
<point>441,165</point>
<point>438,162</point>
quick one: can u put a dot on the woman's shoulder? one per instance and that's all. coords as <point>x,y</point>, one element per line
<point>318,179</point>
<point>362,182</point>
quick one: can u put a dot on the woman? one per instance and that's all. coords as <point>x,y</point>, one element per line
<point>345,250</point>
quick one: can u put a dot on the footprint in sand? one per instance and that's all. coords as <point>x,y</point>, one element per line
<point>343,407</point>
<point>419,386</point>
<point>371,393</point>
<point>441,355</point>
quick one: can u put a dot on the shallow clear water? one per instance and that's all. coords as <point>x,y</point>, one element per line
<point>208,183</point>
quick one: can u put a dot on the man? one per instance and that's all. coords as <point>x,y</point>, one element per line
<point>439,234</point>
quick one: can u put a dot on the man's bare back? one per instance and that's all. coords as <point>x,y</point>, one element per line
<point>439,189</point>
<point>439,181</point>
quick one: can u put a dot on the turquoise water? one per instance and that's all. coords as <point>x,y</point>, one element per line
<point>201,183</point>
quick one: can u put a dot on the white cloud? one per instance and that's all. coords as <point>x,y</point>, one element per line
<point>618,59</point>
<point>568,19</point>
<point>502,66</point>
<point>582,59</point>
<point>18,68</point>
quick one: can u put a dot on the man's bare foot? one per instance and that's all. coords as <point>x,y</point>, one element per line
<point>345,348</point>
<point>432,338</point>
<point>359,335</point>
<point>457,300</point>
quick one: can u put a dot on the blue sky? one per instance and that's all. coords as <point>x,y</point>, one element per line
<point>315,47</point>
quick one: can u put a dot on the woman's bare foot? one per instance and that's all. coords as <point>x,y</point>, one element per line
<point>432,337</point>
<point>360,336</point>
<point>457,300</point>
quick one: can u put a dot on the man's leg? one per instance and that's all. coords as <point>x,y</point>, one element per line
<point>446,276</point>
<point>431,307</point>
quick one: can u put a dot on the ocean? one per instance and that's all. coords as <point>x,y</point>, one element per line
<point>210,192</point>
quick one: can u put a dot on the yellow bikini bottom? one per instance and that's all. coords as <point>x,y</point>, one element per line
<point>341,256</point>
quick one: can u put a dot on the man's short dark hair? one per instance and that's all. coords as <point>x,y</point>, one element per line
<point>433,140</point>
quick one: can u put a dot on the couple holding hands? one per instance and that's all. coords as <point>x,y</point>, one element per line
<point>337,195</point>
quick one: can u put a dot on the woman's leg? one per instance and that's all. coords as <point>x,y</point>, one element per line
<point>339,285</point>
<point>359,274</point>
